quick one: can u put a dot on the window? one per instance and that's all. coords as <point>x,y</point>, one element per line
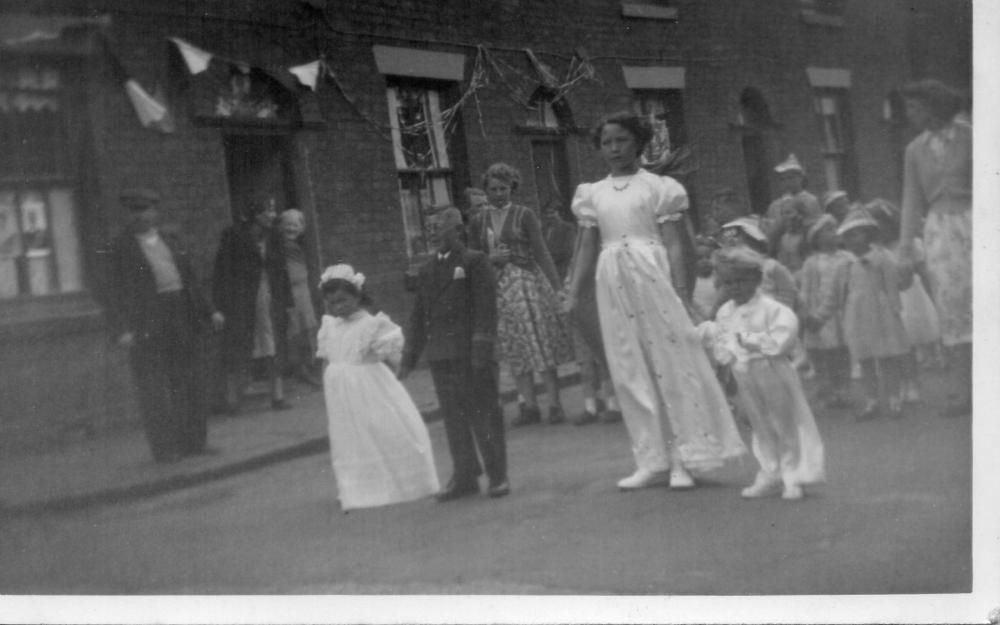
<point>665,109</point>
<point>421,153</point>
<point>40,251</point>
<point>836,137</point>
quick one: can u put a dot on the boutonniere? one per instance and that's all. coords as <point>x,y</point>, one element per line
<point>459,273</point>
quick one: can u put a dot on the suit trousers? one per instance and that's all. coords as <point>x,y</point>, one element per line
<point>470,406</point>
<point>169,381</point>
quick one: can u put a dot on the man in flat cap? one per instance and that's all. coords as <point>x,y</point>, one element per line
<point>453,324</point>
<point>791,179</point>
<point>157,312</point>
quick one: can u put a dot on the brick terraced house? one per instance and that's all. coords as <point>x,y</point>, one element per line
<point>367,114</point>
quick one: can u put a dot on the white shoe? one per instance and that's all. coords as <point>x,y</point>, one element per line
<point>681,479</point>
<point>761,488</point>
<point>644,478</point>
<point>792,492</point>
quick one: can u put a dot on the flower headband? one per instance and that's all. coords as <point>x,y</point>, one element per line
<point>342,272</point>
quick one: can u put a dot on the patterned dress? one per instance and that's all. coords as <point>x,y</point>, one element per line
<point>665,385</point>
<point>937,186</point>
<point>531,332</point>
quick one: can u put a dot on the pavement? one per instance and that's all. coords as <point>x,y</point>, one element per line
<point>116,466</point>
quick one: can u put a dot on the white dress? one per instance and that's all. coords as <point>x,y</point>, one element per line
<point>666,387</point>
<point>379,444</point>
<point>756,340</point>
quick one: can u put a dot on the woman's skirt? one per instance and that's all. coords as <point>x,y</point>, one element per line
<point>531,333</point>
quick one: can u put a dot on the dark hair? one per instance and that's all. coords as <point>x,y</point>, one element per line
<point>339,284</point>
<point>943,101</point>
<point>504,173</point>
<point>636,125</point>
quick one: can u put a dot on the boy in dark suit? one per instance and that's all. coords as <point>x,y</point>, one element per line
<point>156,310</point>
<point>454,325</point>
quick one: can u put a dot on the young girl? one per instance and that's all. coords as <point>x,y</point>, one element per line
<point>632,225</point>
<point>378,442</point>
<point>777,281</point>
<point>754,335</point>
<point>823,334</point>
<point>873,327</point>
<point>920,317</point>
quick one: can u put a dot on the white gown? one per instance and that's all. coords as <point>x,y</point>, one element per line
<point>786,441</point>
<point>666,387</point>
<point>379,444</point>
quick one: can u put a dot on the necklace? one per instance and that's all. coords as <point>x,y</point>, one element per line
<point>625,186</point>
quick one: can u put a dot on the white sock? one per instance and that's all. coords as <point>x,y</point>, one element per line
<point>590,404</point>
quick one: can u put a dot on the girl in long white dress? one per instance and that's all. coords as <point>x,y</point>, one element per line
<point>379,444</point>
<point>755,335</point>
<point>673,406</point>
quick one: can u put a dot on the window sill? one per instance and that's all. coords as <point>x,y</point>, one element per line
<point>815,18</point>
<point>649,11</point>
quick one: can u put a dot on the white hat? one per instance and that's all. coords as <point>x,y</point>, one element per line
<point>342,272</point>
<point>740,257</point>
<point>826,220</point>
<point>749,227</point>
<point>831,196</point>
<point>789,164</point>
<point>857,218</point>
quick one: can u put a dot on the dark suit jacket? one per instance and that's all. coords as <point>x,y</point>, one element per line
<point>455,309</point>
<point>131,298</point>
<point>238,267</point>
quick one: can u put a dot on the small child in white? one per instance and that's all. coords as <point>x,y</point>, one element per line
<point>754,335</point>
<point>379,444</point>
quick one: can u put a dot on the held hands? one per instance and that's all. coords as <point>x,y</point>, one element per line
<point>218,321</point>
<point>500,255</point>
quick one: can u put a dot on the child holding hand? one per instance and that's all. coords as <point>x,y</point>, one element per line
<point>754,335</point>
<point>379,445</point>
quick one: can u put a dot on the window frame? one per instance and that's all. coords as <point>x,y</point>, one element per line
<point>840,157</point>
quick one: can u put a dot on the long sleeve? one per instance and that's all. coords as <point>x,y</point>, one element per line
<point>483,300</point>
<point>914,200</point>
<point>387,341</point>
<point>416,333</point>
<point>539,250</point>
<point>779,333</point>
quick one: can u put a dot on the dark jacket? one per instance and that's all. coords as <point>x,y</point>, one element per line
<point>238,267</point>
<point>131,299</point>
<point>455,309</point>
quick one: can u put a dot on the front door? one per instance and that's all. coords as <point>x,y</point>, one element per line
<point>548,160</point>
<point>259,168</point>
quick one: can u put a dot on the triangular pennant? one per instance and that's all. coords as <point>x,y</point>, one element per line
<point>307,74</point>
<point>197,59</point>
<point>151,113</point>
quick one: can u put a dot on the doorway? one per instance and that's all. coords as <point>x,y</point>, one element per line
<point>258,167</point>
<point>548,161</point>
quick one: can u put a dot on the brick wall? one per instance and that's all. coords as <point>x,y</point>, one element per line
<point>345,172</point>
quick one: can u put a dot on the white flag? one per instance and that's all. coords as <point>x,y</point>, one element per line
<point>196,58</point>
<point>149,110</point>
<point>306,74</point>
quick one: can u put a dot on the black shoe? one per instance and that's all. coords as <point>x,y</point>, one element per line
<point>501,489</point>
<point>527,416</point>
<point>556,415</point>
<point>585,418</point>
<point>456,490</point>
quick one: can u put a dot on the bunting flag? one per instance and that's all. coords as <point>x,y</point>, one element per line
<point>306,74</point>
<point>197,59</point>
<point>150,111</point>
<point>545,73</point>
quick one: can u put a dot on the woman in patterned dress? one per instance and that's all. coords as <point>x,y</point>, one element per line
<point>937,189</point>
<point>531,335</point>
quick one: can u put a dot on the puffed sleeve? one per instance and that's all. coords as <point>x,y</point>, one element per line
<point>672,200</point>
<point>583,205</point>
<point>387,340</point>
<point>321,337</point>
